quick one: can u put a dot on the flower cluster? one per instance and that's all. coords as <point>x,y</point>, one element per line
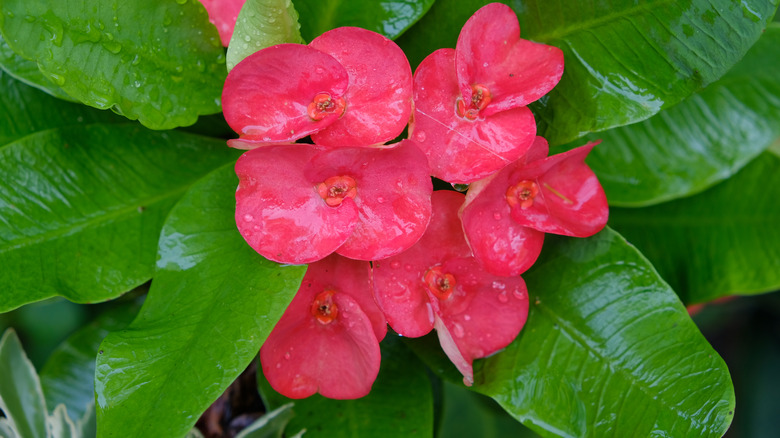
<point>382,247</point>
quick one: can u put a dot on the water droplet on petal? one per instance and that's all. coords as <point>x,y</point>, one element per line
<point>497,285</point>
<point>380,200</point>
<point>420,136</point>
<point>467,317</point>
<point>278,365</point>
<point>457,330</point>
<point>497,216</point>
<point>249,217</point>
<point>396,264</point>
<point>408,267</point>
<point>287,355</point>
<point>518,294</point>
<point>502,297</point>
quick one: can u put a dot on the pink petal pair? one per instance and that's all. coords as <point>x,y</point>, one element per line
<point>299,203</point>
<point>470,115</point>
<point>348,87</point>
<point>327,341</point>
<point>506,215</point>
<point>437,283</point>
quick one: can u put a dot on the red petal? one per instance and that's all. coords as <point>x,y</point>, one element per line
<point>461,150</point>
<point>398,281</point>
<point>379,98</point>
<point>500,245</point>
<point>339,359</point>
<point>491,53</point>
<point>571,200</point>
<point>393,196</point>
<point>483,315</point>
<point>267,95</point>
<point>223,15</point>
<point>280,213</point>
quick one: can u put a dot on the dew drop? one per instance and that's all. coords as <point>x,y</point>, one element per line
<point>380,200</point>
<point>249,217</point>
<point>518,294</point>
<point>420,136</point>
<point>457,330</point>
<point>137,84</point>
<point>497,285</point>
<point>408,267</point>
<point>497,216</point>
<point>247,38</point>
<point>278,365</point>
<point>287,355</point>
<point>467,317</point>
<point>396,264</point>
<point>502,297</point>
<point>484,64</point>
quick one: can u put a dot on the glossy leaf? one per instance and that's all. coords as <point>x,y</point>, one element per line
<point>212,303</point>
<point>400,402</point>
<point>703,140</point>
<point>608,350</point>
<point>623,62</point>
<point>261,24</point>
<point>720,242</point>
<point>159,62</point>
<point>23,109</point>
<point>390,18</point>
<point>21,397</point>
<point>468,414</point>
<point>27,71</point>
<point>270,425</point>
<point>68,376</point>
<point>83,206</point>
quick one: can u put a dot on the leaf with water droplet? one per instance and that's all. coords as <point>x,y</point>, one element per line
<point>261,24</point>
<point>89,59</point>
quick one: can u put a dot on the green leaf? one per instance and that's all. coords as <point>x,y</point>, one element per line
<point>270,425</point>
<point>703,140</point>
<point>60,425</point>
<point>26,110</point>
<point>21,397</point>
<point>624,61</point>
<point>27,71</point>
<point>69,374</point>
<point>6,431</point>
<point>159,62</point>
<point>390,18</point>
<point>83,206</point>
<point>608,350</point>
<point>723,241</point>
<point>261,24</point>
<point>400,403</point>
<point>467,413</point>
<point>212,303</point>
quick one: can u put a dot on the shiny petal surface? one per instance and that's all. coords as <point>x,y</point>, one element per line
<point>393,196</point>
<point>570,201</point>
<point>379,98</point>
<point>490,52</point>
<point>483,315</point>
<point>338,359</point>
<point>267,95</point>
<point>398,281</point>
<point>461,150</point>
<point>223,14</point>
<point>501,246</point>
<point>279,212</point>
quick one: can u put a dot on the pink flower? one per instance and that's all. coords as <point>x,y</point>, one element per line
<point>470,115</point>
<point>223,15</point>
<point>437,283</point>
<point>327,341</point>
<point>300,203</point>
<point>506,215</point>
<point>348,87</point>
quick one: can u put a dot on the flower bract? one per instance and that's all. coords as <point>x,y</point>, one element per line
<point>470,113</point>
<point>299,203</point>
<point>506,215</point>
<point>327,341</point>
<point>437,283</point>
